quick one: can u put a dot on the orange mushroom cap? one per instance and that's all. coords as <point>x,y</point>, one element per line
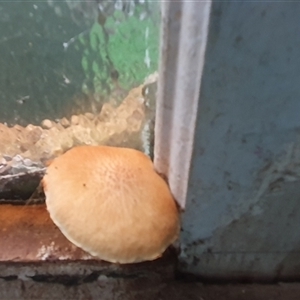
<point>111,203</point>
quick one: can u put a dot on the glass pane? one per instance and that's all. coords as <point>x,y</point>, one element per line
<point>72,73</point>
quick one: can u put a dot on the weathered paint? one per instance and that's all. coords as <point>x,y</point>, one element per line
<point>242,217</point>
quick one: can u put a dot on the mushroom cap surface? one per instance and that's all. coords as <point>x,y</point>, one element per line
<point>111,203</point>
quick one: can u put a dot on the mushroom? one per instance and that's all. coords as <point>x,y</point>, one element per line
<point>110,202</point>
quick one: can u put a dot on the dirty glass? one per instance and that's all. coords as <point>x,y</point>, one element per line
<point>73,73</point>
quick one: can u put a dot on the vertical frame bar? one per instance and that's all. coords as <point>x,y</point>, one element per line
<point>183,43</point>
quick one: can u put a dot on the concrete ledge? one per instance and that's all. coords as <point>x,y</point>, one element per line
<point>111,289</point>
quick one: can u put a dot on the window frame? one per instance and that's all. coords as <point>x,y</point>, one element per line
<point>184,30</point>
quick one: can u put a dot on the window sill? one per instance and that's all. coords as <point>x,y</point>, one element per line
<point>33,248</point>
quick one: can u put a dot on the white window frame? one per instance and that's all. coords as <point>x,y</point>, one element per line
<point>184,32</point>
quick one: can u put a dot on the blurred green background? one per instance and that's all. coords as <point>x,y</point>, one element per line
<point>58,58</point>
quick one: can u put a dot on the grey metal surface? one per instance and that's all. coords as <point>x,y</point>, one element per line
<point>243,209</point>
